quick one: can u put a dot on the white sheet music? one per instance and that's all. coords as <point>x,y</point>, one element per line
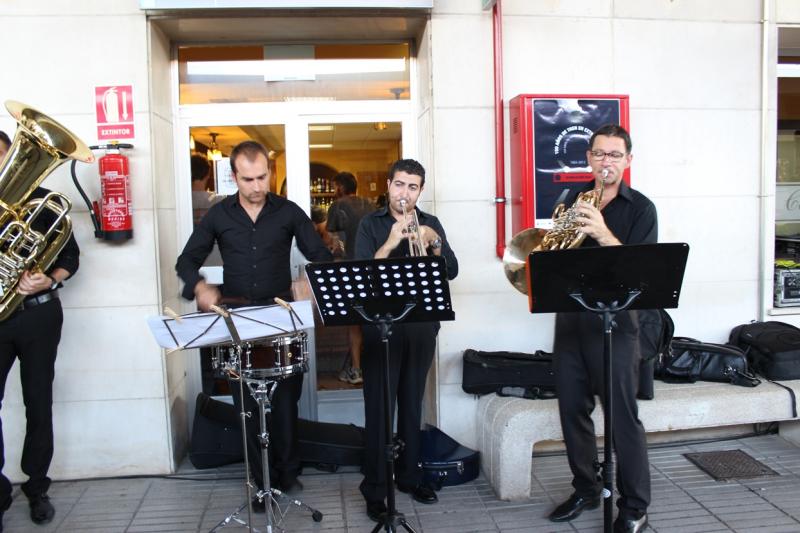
<point>196,330</point>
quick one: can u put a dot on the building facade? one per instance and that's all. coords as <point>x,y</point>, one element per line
<point>702,78</point>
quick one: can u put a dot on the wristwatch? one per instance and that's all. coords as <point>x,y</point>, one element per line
<point>436,244</point>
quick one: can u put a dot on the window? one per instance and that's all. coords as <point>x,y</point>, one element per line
<point>276,73</point>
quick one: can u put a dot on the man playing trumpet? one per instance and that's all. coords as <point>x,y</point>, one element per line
<point>392,232</point>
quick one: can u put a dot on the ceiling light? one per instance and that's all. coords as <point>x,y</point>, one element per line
<point>319,146</point>
<point>380,126</point>
<point>288,69</point>
<point>320,127</point>
<point>214,153</point>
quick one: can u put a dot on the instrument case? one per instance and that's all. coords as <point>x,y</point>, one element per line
<point>509,374</point>
<point>327,446</point>
<point>445,462</point>
<point>216,436</point>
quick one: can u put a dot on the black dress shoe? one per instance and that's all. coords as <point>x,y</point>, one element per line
<point>421,493</point>
<point>573,507</point>
<point>42,511</point>
<point>629,524</point>
<point>375,510</point>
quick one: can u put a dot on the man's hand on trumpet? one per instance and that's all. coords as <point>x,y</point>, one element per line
<point>431,239</point>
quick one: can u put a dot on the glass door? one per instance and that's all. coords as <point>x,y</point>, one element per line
<point>348,164</point>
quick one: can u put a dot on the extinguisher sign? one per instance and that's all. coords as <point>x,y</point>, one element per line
<point>114,108</point>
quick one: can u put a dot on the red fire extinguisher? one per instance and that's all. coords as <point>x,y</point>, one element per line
<point>112,216</point>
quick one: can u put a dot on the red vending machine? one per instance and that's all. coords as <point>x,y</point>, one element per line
<point>549,138</point>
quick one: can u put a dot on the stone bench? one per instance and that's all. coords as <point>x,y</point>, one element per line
<point>508,428</point>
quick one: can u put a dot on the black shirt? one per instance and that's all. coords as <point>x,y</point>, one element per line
<point>375,228</point>
<point>68,258</point>
<point>344,215</point>
<point>255,255</point>
<point>630,216</point>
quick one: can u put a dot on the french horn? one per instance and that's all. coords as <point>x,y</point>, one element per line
<point>565,233</point>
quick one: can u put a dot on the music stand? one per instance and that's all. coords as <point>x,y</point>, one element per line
<point>235,328</point>
<point>597,279</point>
<point>382,292</point>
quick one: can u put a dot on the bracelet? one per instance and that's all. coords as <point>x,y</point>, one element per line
<point>52,279</point>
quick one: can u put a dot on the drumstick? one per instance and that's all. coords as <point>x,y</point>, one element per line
<point>172,314</point>
<point>220,311</point>
<point>292,313</point>
<point>283,303</point>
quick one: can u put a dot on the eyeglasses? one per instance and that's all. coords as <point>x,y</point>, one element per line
<point>599,155</point>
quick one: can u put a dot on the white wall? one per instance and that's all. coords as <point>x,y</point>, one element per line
<point>695,93</point>
<point>111,407</point>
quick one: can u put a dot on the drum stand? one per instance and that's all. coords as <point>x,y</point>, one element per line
<point>261,389</point>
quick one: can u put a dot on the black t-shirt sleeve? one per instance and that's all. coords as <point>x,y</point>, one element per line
<point>194,254</point>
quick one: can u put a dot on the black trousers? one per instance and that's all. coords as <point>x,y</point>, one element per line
<point>411,349</point>
<point>284,463</point>
<point>32,336</point>
<point>579,350</point>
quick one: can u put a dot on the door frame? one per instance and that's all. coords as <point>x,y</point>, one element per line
<point>295,117</point>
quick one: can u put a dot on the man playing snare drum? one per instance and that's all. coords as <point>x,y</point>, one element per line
<point>254,230</point>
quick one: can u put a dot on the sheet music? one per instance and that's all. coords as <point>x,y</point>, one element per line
<point>196,330</point>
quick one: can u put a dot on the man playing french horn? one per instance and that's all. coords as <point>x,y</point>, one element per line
<point>399,230</point>
<point>624,216</point>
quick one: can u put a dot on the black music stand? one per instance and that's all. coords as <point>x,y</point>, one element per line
<point>382,292</point>
<point>597,279</point>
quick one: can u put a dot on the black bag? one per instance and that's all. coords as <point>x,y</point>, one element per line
<point>445,462</point>
<point>327,446</point>
<point>216,437</point>
<point>509,374</point>
<point>772,348</point>
<point>655,334</point>
<point>690,360</point>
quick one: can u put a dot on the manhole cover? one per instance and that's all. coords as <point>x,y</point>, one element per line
<point>729,464</point>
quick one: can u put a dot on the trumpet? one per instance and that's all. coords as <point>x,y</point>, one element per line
<point>415,244</point>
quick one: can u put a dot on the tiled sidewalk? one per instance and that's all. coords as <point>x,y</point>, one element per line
<point>684,500</point>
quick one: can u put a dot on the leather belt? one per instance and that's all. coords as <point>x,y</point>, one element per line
<point>33,301</point>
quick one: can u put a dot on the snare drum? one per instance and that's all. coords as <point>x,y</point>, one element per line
<point>275,357</point>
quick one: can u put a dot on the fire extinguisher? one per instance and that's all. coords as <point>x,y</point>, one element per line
<point>112,216</point>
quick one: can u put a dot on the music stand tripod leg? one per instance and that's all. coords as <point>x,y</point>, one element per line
<point>392,519</point>
<point>608,311</point>
<point>234,516</point>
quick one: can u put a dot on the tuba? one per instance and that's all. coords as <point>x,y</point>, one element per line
<point>39,146</point>
<point>565,233</point>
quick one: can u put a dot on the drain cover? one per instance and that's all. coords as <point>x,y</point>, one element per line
<point>729,464</point>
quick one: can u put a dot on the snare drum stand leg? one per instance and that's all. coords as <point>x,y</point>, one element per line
<point>263,395</point>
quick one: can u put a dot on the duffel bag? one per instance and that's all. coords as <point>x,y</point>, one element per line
<point>689,360</point>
